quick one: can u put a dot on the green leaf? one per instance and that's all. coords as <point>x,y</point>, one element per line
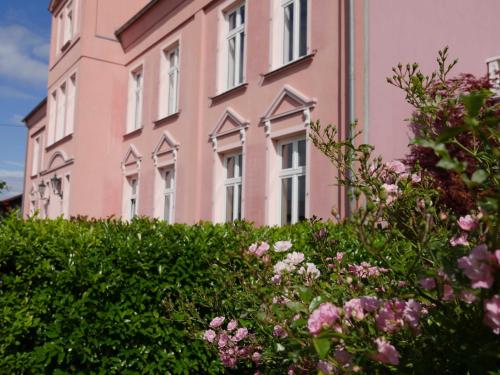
<point>479,176</point>
<point>322,346</point>
<point>473,102</point>
<point>306,294</point>
<point>315,303</point>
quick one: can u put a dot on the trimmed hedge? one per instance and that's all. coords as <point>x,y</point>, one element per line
<point>108,297</point>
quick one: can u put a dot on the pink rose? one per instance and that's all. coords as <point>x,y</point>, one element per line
<point>477,267</point>
<point>467,223</point>
<point>209,336</point>
<point>262,249</point>
<point>326,368</point>
<point>223,338</point>
<point>447,292</point>
<point>241,333</point>
<point>231,326</point>
<point>217,322</point>
<point>492,313</point>
<point>468,297</point>
<point>459,240</point>
<point>324,316</point>
<point>354,308</point>
<point>428,283</point>
<point>386,352</point>
<point>256,357</point>
<point>396,166</point>
<point>279,331</point>
<point>282,246</point>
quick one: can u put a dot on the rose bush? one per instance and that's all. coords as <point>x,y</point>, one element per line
<point>421,293</point>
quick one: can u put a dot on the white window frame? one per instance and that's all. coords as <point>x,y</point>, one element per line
<point>238,35</point>
<point>133,196</point>
<point>237,183</point>
<point>66,25</point>
<point>278,45</point>
<point>167,192</point>
<point>294,173</point>
<point>62,105</point>
<point>493,65</point>
<point>225,35</point>
<point>169,81</point>
<point>37,152</point>
<point>135,99</point>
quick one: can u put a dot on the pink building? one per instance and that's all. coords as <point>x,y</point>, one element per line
<point>190,110</point>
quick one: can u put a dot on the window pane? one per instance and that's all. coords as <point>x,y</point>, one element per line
<point>239,202</point>
<point>132,208</point>
<point>240,164</point>
<point>232,21</point>
<point>302,153</point>
<point>288,33</point>
<point>168,180</point>
<point>231,62</point>
<point>133,184</point>
<point>242,15</point>
<point>229,203</point>
<point>241,60</point>
<point>230,166</point>
<point>303,28</point>
<point>286,201</point>
<point>171,93</point>
<point>302,198</point>
<point>166,211</point>
<point>287,156</point>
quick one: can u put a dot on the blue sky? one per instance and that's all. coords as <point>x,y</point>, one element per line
<point>24,49</point>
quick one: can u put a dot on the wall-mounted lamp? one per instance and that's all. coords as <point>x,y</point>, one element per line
<point>41,189</point>
<point>57,185</point>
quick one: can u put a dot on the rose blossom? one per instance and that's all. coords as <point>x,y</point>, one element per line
<point>447,292</point>
<point>467,223</point>
<point>231,326</point>
<point>326,368</point>
<point>294,258</point>
<point>370,303</point>
<point>428,283</point>
<point>415,178</point>
<point>477,267</point>
<point>256,357</point>
<point>339,256</point>
<point>223,338</point>
<point>279,331</point>
<point>209,336</point>
<point>396,166</point>
<point>241,333</point>
<point>354,308</point>
<point>386,352</point>
<point>468,297</point>
<point>324,316</point>
<point>276,279</point>
<point>262,249</point>
<point>492,313</point>
<point>283,267</point>
<point>459,240</point>
<point>282,246</point>
<point>217,322</point>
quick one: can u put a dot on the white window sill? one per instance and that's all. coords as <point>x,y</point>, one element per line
<point>301,60</point>
<point>228,92</point>
<point>167,118</point>
<point>133,131</point>
<point>60,141</point>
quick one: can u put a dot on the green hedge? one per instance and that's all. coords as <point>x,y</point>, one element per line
<point>110,297</point>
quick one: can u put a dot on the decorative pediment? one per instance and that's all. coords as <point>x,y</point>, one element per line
<point>230,122</point>
<point>58,160</point>
<point>167,147</point>
<point>287,102</point>
<point>132,157</point>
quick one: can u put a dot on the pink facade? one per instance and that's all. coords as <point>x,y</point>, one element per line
<point>198,110</point>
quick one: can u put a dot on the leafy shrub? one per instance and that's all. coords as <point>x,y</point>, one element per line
<point>421,293</point>
<point>111,297</point>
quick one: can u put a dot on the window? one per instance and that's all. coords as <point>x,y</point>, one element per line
<point>235,43</point>
<point>290,31</point>
<point>233,166</point>
<point>132,202</point>
<point>292,176</point>
<point>66,26</point>
<point>494,73</point>
<point>37,150</point>
<point>169,85</point>
<point>62,110</point>
<point>135,99</point>
<point>168,180</point>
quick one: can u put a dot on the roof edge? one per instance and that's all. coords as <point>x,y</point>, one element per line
<point>138,15</point>
<point>34,110</point>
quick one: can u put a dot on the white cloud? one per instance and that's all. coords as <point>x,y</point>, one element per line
<point>12,93</point>
<point>5,173</point>
<point>42,51</point>
<point>12,163</point>
<point>20,54</point>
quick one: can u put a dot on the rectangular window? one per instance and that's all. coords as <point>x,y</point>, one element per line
<point>168,180</point>
<point>135,99</point>
<point>61,112</point>
<point>233,166</point>
<point>133,197</point>
<point>169,86</point>
<point>494,74</point>
<point>70,107</point>
<point>37,150</point>
<point>295,25</point>
<point>293,181</point>
<point>235,44</point>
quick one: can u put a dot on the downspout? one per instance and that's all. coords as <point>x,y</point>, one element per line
<point>350,92</point>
